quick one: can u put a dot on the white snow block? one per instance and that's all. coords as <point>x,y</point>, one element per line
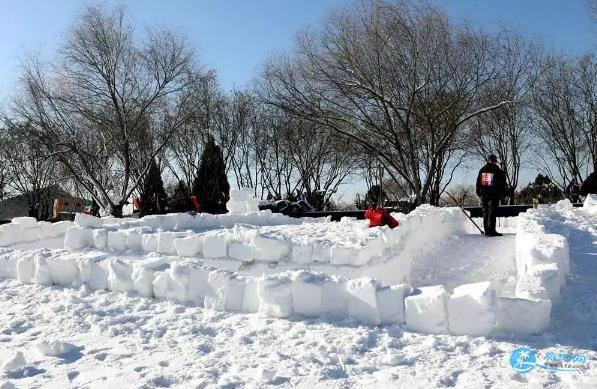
<point>161,285</point>
<point>198,277</point>
<point>253,205</point>
<point>426,310</point>
<point>142,277</point>
<point>362,305</point>
<point>275,296</point>
<point>340,255</point>
<point>523,315</point>
<point>100,238</point>
<point>24,221</point>
<point>216,292</point>
<point>335,297</point>
<point>307,291</point>
<point>98,276</point>
<point>241,251</point>
<point>149,242</point>
<point>189,246</point>
<point>26,269</point>
<point>236,206</point>
<point>59,228</point>
<point>472,309</point>
<point>321,253</point>
<point>590,204</point>
<point>64,270</point>
<point>536,249</point>
<point>84,220</point>
<point>43,273</point>
<point>238,194</point>
<point>215,246</point>
<point>117,240</point>
<point>302,253</point>
<point>390,303</point>
<point>179,282</point>
<point>166,241</point>
<point>251,296</point>
<point>134,239</point>
<point>549,274</point>
<point>78,238</point>
<point>270,250</point>
<point>531,287</point>
<point>119,275</point>
<point>235,293</point>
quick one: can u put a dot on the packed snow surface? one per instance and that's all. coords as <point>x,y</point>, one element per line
<point>56,336</point>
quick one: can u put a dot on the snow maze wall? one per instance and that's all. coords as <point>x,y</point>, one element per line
<point>280,266</point>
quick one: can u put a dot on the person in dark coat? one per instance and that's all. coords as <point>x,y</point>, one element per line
<point>589,185</point>
<point>491,184</point>
<point>572,191</point>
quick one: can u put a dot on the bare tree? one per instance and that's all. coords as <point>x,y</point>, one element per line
<point>399,80</point>
<point>564,103</point>
<point>109,104</point>
<point>505,131</point>
<point>28,171</point>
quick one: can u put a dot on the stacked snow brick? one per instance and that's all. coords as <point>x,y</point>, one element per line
<point>242,200</point>
<point>542,264</point>
<point>28,229</point>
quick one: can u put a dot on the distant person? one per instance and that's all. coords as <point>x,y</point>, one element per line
<point>572,191</point>
<point>589,185</point>
<point>491,183</point>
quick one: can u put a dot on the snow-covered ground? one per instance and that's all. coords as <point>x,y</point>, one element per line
<point>75,337</point>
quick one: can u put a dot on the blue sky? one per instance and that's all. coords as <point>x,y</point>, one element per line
<point>235,37</point>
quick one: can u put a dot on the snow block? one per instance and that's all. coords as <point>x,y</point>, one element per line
<point>198,277</point>
<point>531,287</point>
<point>134,239</point>
<point>100,238</point>
<point>236,206</point>
<point>64,270</point>
<point>340,255</point>
<point>142,277</point>
<point>189,246</point>
<point>179,282</point>
<point>251,297</point>
<point>24,221</point>
<point>426,310</point>
<point>307,291</point>
<point>362,305</point>
<point>119,275</point>
<point>275,296</point>
<point>117,240</point>
<point>270,250</point>
<point>472,309</point>
<point>215,245</point>
<point>321,253</point>
<point>535,249</point>
<point>216,292</point>
<point>549,274</point>
<point>390,303</point>
<point>84,220</point>
<point>78,238</point>
<point>235,293</point>
<point>590,204</point>
<point>253,205</point>
<point>149,243</point>
<point>43,273</point>
<point>166,241</point>
<point>241,251</point>
<point>524,316</point>
<point>335,297</point>
<point>302,253</point>
<point>93,273</point>
<point>26,269</point>
<point>238,194</point>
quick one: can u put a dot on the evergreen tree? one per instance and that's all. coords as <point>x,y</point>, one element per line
<point>543,189</point>
<point>153,195</point>
<point>211,185</point>
<point>181,198</point>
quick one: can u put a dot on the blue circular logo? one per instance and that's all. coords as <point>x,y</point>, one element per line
<point>523,360</point>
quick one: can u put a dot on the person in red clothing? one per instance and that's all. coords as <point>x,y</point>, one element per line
<point>380,217</point>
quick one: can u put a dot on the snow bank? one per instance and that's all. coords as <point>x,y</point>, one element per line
<point>27,229</point>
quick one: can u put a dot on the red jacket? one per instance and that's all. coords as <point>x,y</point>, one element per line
<point>380,217</point>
